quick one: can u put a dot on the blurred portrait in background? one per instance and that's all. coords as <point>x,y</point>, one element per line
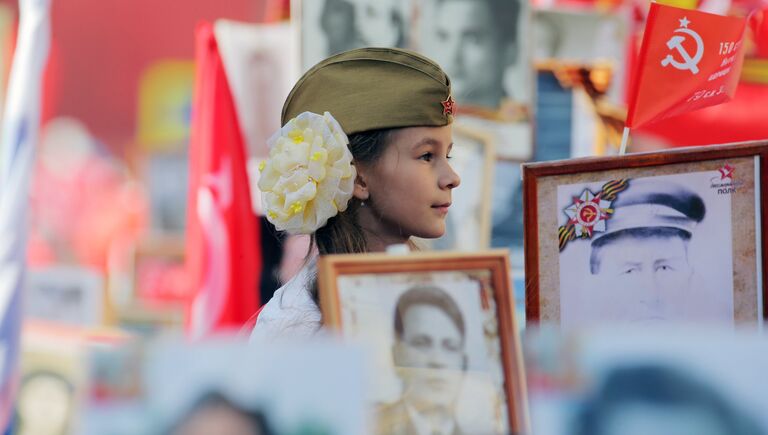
<point>333,26</point>
<point>660,400</point>
<point>380,23</point>
<point>45,404</point>
<point>337,21</point>
<point>215,414</point>
<point>430,358</point>
<point>476,41</point>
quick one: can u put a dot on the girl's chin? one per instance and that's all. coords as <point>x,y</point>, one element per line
<point>432,233</point>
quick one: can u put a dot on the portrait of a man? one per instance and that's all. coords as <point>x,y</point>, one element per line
<point>476,42</point>
<point>641,266</point>
<point>436,337</point>
<point>430,359</point>
<point>658,399</point>
<point>333,26</point>
<point>643,257</point>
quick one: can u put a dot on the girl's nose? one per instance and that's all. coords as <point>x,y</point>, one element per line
<point>450,179</point>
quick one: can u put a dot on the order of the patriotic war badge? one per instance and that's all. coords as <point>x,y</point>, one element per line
<point>588,212</point>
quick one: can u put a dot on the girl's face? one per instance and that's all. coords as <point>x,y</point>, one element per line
<point>407,191</point>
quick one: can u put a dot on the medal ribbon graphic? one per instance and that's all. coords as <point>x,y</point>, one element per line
<point>589,211</point>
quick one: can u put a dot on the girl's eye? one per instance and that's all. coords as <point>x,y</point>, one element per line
<point>427,157</point>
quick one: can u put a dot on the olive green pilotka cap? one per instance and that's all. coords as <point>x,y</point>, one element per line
<point>374,88</point>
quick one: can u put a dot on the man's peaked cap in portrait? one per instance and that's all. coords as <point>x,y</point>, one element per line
<point>649,203</point>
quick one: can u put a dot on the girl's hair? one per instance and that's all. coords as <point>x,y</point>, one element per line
<point>342,234</point>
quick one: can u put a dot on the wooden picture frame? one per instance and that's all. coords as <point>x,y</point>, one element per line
<point>722,253</point>
<point>378,281</point>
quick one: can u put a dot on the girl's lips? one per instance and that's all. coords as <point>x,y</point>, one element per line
<point>442,208</point>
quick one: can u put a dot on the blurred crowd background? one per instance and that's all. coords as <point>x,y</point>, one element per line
<point>106,251</point>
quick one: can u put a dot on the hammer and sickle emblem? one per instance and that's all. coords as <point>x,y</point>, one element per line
<point>588,214</point>
<point>688,63</point>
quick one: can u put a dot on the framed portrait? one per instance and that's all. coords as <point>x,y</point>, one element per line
<point>72,295</point>
<point>636,380</point>
<point>52,379</point>
<point>583,36</point>
<point>148,286</point>
<point>166,177</point>
<point>662,237</point>
<point>441,332</point>
<point>574,99</point>
<point>272,384</point>
<point>480,45</point>
<point>331,26</point>
<point>158,270</point>
<point>468,225</point>
<point>262,64</point>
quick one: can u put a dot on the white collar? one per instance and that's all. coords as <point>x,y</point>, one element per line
<point>291,313</point>
<point>425,425</point>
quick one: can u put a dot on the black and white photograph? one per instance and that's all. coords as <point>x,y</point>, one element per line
<point>329,27</point>
<point>441,334</point>
<point>439,370</point>
<point>479,44</point>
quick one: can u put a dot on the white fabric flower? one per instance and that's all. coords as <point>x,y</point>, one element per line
<point>308,177</point>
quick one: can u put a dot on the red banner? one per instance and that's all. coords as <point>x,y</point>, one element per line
<point>688,60</point>
<point>223,239</point>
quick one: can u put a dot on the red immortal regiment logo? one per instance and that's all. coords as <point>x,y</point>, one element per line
<point>726,172</point>
<point>726,183</point>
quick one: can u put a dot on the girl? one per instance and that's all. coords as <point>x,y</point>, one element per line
<point>362,162</point>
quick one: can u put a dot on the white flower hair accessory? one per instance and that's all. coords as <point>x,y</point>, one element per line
<point>308,177</point>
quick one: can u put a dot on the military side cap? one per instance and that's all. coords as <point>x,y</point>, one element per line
<point>649,203</point>
<point>374,88</point>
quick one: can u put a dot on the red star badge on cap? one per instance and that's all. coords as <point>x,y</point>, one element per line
<point>448,106</point>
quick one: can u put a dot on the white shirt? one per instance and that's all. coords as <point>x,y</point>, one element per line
<point>291,313</point>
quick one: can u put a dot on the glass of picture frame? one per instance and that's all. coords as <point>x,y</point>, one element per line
<point>441,330</point>
<point>661,237</point>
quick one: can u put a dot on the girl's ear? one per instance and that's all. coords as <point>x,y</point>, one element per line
<point>361,188</point>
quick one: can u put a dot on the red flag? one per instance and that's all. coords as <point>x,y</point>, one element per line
<point>688,60</point>
<point>223,239</point>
